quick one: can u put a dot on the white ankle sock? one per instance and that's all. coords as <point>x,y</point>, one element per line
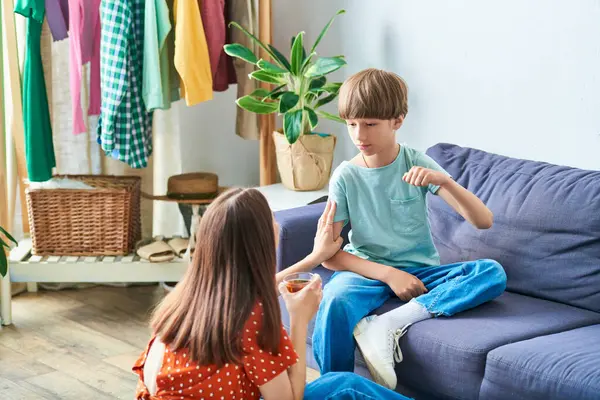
<point>409,313</point>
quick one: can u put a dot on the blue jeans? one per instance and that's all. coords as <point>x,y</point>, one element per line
<point>347,386</point>
<point>349,297</point>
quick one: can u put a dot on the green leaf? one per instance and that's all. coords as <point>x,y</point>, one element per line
<point>288,101</point>
<point>8,235</point>
<point>269,67</point>
<point>310,97</point>
<point>292,125</point>
<point>280,58</point>
<point>275,93</point>
<point>317,83</point>
<point>268,77</point>
<point>332,87</point>
<point>260,93</point>
<point>324,65</point>
<point>3,263</point>
<point>254,38</point>
<point>297,53</point>
<point>331,117</point>
<point>312,117</point>
<point>251,104</point>
<point>303,49</point>
<point>306,62</point>
<point>325,100</point>
<point>325,29</point>
<point>239,51</point>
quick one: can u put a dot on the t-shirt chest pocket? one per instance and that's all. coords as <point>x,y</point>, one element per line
<point>407,214</point>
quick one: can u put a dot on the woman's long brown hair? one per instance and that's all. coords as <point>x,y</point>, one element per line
<point>233,268</point>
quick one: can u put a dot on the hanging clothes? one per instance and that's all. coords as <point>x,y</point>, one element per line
<point>84,47</point>
<point>57,15</point>
<point>213,20</point>
<point>158,89</point>
<point>39,150</point>
<point>191,53</point>
<point>174,79</point>
<point>225,75</point>
<point>244,13</point>
<point>124,127</point>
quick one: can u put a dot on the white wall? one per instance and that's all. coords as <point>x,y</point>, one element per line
<point>209,142</point>
<point>520,78</point>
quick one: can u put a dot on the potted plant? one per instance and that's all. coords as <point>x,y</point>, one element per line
<point>3,244</point>
<point>304,157</point>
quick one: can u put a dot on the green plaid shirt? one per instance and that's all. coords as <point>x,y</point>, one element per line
<point>124,127</point>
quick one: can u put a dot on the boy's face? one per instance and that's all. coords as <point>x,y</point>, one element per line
<point>371,136</point>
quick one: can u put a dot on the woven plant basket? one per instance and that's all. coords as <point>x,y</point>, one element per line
<point>306,164</point>
<point>86,222</point>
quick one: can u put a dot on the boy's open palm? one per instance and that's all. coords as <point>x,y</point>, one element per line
<point>405,285</point>
<point>420,176</point>
<point>325,246</point>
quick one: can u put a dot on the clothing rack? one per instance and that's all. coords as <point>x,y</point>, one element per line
<point>268,174</point>
<point>17,172</point>
<point>15,149</point>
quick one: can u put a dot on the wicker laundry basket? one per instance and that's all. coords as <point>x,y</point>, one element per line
<point>86,222</point>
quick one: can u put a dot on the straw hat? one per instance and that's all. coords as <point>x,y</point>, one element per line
<point>191,188</point>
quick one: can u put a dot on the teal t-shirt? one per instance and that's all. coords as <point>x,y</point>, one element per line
<point>388,216</point>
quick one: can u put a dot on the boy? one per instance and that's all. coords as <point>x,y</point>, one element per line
<point>391,252</point>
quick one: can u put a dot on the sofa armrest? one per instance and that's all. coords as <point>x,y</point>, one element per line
<point>297,229</point>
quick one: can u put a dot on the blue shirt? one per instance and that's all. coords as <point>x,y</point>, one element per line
<point>388,216</point>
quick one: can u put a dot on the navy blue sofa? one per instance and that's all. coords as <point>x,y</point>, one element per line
<point>538,340</point>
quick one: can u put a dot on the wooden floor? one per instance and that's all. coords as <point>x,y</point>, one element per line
<point>76,344</point>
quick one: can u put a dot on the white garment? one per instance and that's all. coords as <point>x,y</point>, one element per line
<point>60,183</point>
<point>167,158</point>
<point>153,363</point>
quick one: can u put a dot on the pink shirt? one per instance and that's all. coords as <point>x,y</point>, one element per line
<point>84,33</point>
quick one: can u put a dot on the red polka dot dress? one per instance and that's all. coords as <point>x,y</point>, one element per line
<point>180,378</point>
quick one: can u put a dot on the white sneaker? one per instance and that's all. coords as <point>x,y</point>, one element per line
<point>380,347</point>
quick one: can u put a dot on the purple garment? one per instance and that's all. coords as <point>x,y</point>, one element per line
<point>57,12</point>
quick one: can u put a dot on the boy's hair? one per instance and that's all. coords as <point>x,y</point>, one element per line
<point>373,93</point>
<point>232,269</point>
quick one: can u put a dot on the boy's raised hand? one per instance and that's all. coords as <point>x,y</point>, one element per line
<point>420,176</point>
<point>325,246</point>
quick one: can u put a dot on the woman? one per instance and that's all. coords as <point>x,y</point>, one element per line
<point>218,334</point>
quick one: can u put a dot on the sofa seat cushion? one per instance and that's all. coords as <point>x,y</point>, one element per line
<point>564,365</point>
<point>447,356</point>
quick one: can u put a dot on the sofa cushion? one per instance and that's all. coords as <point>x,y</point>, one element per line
<point>565,365</point>
<point>546,231</point>
<point>447,356</point>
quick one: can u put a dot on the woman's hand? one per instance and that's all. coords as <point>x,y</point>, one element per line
<point>325,246</point>
<point>303,305</point>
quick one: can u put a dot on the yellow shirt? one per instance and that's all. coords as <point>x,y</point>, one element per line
<point>191,53</point>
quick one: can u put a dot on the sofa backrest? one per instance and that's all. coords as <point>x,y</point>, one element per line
<point>546,231</point>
